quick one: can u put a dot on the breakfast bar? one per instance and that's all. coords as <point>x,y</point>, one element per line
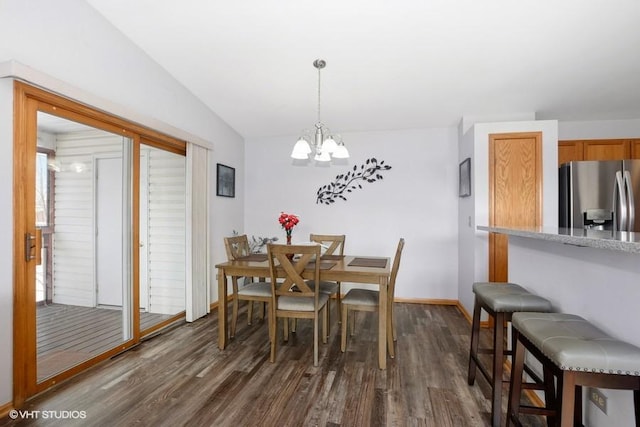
<point>591,273</point>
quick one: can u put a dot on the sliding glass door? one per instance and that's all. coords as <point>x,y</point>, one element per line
<point>100,237</point>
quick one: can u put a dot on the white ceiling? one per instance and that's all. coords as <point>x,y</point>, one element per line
<point>392,64</point>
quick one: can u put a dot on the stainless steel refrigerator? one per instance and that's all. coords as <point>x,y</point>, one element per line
<point>601,195</point>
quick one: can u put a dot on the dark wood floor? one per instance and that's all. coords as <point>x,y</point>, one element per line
<point>68,335</point>
<point>180,378</point>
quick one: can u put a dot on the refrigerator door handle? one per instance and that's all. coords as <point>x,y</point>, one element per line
<point>620,202</point>
<point>630,201</point>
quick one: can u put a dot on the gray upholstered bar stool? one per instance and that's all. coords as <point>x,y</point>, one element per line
<point>576,353</point>
<point>499,300</point>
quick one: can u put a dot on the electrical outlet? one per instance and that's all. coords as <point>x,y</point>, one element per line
<point>598,398</point>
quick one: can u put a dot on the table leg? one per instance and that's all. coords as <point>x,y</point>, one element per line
<point>382,324</point>
<point>223,332</point>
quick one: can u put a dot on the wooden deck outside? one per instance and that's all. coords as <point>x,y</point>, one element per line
<point>68,335</point>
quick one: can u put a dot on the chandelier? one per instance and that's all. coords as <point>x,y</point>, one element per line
<point>323,146</point>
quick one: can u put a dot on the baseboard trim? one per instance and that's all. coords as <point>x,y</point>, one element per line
<point>5,409</point>
<point>427,301</point>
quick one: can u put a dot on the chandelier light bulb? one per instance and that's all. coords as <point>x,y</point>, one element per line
<point>301,150</point>
<point>329,145</point>
<point>341,152</point>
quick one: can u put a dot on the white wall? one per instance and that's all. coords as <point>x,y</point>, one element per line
<point>467,221</point>
<point>417,199</point>
<point>71,47</point>
<point>475,143</point>
<point>599,129</point>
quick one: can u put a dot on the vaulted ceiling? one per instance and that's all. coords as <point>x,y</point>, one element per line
<point>392,64</point>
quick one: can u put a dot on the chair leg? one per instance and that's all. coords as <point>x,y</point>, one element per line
<point>343,336</point>
<point>249,312</point>
<point>559,394</point>
<point>498,370</point>
<point>636,405</point>
<point>550,395</point>
<point>285,328</point>
<point>263,310</point>
<point>577,408</point>
<point>393,322</point>
<point>339,302</point>
<point>234,309</point>
<point>568,398</point>
<point>353,323</point>
<point>273,334</point>
<point>325,324</point>
<point>475,338</point>
<point>327,306</point>
<point>390,346</point>
<point>315,339</point>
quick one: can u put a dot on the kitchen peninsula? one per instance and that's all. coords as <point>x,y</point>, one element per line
<point>592,273</point>
<point>593,238</point>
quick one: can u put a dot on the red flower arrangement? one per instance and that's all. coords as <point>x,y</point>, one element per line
<point>288,221</point>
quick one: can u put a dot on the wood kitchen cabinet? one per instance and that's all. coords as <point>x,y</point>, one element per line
<point>569,151</point>
<point>635,148</point>
<point>598,149</point>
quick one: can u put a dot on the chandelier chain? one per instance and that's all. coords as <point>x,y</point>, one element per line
<point>319,122</point>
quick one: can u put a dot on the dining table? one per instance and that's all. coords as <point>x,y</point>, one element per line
<point>336,268</point>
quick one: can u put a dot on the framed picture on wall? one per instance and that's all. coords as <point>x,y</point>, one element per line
<point>464,183</point>
<point>226,181</point>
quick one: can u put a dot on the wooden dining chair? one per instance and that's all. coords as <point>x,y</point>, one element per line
<point>334,246</point>
<point>260,291</point>
<point>291,297</point>
<point>367,300</point>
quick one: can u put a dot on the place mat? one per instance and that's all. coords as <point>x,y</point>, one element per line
<point>253,257</point>
<point>332,257</point>
<point>368,262</point>
<point>324,265</point>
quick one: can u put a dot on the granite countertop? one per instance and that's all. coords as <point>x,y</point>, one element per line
<point>602,239</point>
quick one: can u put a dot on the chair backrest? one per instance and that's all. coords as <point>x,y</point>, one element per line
<point>394,269</point>
<point>236,246</point>
<point>334,243</point>
<point>279,255</point>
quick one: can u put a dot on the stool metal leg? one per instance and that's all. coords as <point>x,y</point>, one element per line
<point>475,338</point>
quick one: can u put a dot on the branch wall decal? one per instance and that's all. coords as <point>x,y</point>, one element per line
<point>346,183</point>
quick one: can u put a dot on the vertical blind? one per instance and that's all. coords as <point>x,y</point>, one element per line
<point>198,288</point>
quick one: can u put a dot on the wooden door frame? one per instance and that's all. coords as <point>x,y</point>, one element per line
<point>497,266</point>
<point>28,100</point>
